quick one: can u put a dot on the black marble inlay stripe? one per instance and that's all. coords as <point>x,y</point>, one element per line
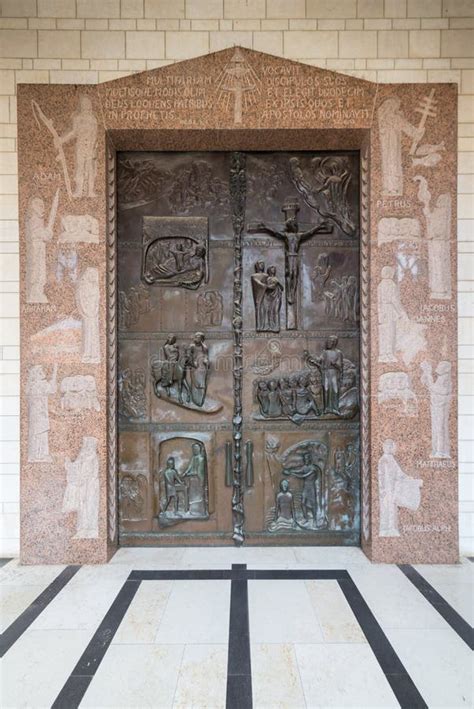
<point>451,616</point>
<point>4,561</point>
<point>14,631</point>
<point>239,670</point>
<point>73,691</point>
<point>400,681</point>
<point>238,572</point>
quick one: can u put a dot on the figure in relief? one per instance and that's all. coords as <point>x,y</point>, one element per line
<point>292,238</point>
<point>79,393</point>
<point>331,365</point>
<point>311,495</point>
<point>397,333</point>
<point>184,495</point>
<point>84,134</point>
<point>133,497</point>
<point>395,392</point>
<point>176,490</point>
<point>267,295</point>
<point>438,233</point>
<point>441,394</point>
<point>209,308</point>
<point>79,229</point>
<point>82,489</point>
<point>325,188</point>
<point>396,489</point>
<point>132,396</point>
<point>181,374</point>
<point>343,476</point>
<point>38,389</point>
<point>87,300</point>
<point>392,126</point>
<point>132,305</point>
<point>38,233</point>
<point>320,275</point>
<point>341,299</point>
<point>284,510</point>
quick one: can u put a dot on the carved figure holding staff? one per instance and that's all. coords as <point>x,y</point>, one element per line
<point>37,235</point>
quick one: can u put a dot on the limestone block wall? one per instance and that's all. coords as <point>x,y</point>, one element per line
<point>91,41</point>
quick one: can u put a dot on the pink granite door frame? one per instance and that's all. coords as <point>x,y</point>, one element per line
<point>68,284</point>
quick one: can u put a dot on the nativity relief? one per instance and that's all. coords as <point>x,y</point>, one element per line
<point>175,251</point>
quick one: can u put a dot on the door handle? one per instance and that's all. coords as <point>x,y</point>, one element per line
<point>229,477</point>
<point>249,464</point>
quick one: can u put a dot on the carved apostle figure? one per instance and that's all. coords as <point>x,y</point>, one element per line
<point>82,490</point>
<point>441,394</point>
<point>38,389</point>
<point>38,233</point>
<point>392,126</point>
<point>84,133</point>
<point>396,489</point>
<point>397,333</point>
<point>87,299</point>
<point>438,233</point>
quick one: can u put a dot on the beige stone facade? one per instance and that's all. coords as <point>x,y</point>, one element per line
<point>60,41</point>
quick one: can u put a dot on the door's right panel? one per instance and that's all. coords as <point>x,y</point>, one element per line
<point>301,348</point>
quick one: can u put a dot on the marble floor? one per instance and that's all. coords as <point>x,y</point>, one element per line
<point>215,627</point>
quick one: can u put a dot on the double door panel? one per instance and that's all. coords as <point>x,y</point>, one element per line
<point>180,279</point>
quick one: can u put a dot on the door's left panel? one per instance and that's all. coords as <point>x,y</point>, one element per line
<point>175,255</point>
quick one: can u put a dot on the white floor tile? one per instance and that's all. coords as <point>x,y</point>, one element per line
<point>202,680</point>
<point>36,668</point>
<point>447,573</point>
<point>78,607</point>
<point>330,557</point>
<point>276,682</point>
<point>196,612</point>
<point>14,573</point>
<point>14,600</point>
<point>135,676</point>
<point>281,612</point>
<point>143,618</point>
<point>224,557</point>
<point>337,621</point>
<point>439,663</point>
<point>148,557</point>
<point>394,600</point>
<point>343,676</point>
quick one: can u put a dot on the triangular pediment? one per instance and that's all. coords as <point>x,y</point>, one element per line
<point>238,88</point>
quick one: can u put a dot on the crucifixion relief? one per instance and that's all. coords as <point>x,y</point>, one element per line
<point>292,236</point>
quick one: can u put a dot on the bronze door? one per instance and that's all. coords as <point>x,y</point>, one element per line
<point>238,283</point>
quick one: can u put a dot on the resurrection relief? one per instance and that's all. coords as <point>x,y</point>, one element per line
<point>207,305</point>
